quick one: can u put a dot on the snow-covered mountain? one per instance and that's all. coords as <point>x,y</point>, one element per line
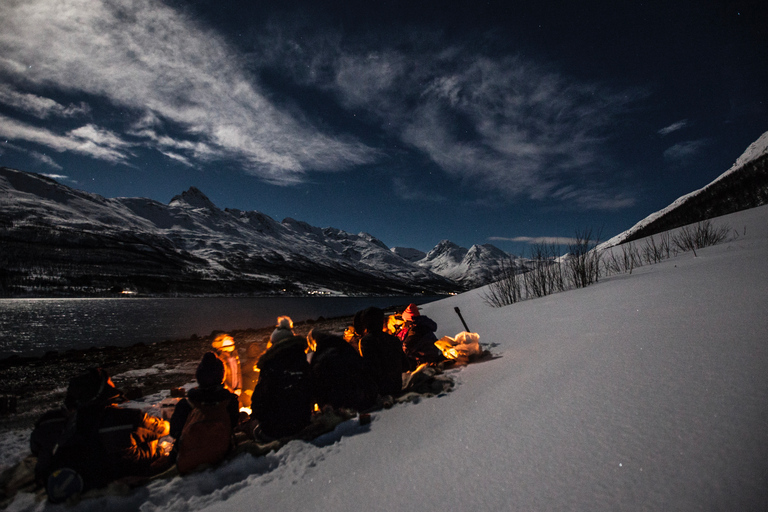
<point>408,253</point>
<point>57,239</point>
<point>743,186</point>
<point>471,267</point>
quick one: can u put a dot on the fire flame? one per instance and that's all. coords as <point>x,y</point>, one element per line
<point>464,344</point>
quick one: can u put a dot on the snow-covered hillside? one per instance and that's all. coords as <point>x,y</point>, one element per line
<point>747,179</point>
<point>642,392</point>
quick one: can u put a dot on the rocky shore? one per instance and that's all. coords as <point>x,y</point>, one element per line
<point>29,386</point>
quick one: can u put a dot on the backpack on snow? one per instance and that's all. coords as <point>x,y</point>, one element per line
<point>206,438</point>
<point>74,465</point>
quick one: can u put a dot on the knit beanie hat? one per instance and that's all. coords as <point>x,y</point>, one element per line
<point>210,371</point>
<point>90,387</point>
<point>411,312</point>
<point>283,331</point>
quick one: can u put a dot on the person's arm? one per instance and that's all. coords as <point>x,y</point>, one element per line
<point>179,417</point>
<point>144,448</point>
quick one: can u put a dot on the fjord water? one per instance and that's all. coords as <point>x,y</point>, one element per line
<point>32,327</point>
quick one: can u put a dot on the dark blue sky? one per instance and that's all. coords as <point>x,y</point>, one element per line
<point>501,122</point>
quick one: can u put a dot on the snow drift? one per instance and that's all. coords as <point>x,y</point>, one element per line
<point>643,392</point>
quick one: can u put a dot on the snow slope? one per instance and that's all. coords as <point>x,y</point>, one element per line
<point>643,392</point>
<point>755,150</point>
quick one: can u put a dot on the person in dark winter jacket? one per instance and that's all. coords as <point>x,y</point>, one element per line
<point>382,352</point>
<point>418,337</point>
<point>281,400</point>
<point>339,376</point>
<point>210,390</point>
<point>99,442</point>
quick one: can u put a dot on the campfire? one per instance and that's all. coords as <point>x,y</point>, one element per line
<point>460,348</point>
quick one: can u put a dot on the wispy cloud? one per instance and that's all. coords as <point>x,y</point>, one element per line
<point>87,140</point>
<point>62,177</point>
<point>545,240</point>
<point>39,106</point>
<point>152,60</point>
<point>679,125</point>
<point>46,160</point>
<point>683,151</point>
<point>498,122</point>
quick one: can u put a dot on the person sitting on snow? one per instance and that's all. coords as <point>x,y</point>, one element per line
<point>224,345</point>
<point>215,403</point>
<point>418,337</point>
<point>99,442</point>
<point>339,377</point>
<point>283,330</point>
<point>281,400</point>
<point>382,352</point>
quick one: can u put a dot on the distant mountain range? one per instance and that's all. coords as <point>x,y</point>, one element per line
<point>57,240</point>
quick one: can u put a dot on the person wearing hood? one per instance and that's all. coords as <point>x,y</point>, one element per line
<point>382,352</point>
<point>418,337</point>
<point>210,390</point>
<point>281,400</point>
<point>224,345</point>
<point>338,373</point>
<point>99,442</point>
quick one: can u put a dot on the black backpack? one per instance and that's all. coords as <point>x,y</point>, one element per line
<point>76,463</point>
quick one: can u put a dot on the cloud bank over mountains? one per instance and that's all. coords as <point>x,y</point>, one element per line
<point>159,78</point>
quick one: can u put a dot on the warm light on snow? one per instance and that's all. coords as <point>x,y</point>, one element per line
<point>642,392</point>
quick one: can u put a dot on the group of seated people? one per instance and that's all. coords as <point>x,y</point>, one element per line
<point>92,440</point>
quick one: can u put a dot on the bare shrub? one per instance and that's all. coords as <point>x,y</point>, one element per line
<point>507,287</point>
<point>624,261</point>
<point>542,279</point>
<point>702,235</point>
<point>583,261</point>
<point>655,251</point>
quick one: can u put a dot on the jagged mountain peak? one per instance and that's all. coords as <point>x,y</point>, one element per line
<point>446,249</point>
<point>486,249</point>
<point>372,239</point>
<point>193,198</point>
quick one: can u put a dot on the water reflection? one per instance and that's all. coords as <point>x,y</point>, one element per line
<point>35,326</point>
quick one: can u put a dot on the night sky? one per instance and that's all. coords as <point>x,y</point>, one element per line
<point>480,122</point>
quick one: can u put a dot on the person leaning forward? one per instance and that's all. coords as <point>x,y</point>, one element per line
<point>99,442</point>
<point>382,352</point>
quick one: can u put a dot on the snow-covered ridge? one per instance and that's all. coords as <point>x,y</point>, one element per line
<point>753,153</point>
<point>193,236</point>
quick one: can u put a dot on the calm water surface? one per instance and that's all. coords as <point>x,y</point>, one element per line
<point>36,326</point>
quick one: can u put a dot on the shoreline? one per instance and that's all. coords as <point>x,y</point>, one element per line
<point>38,383</point>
